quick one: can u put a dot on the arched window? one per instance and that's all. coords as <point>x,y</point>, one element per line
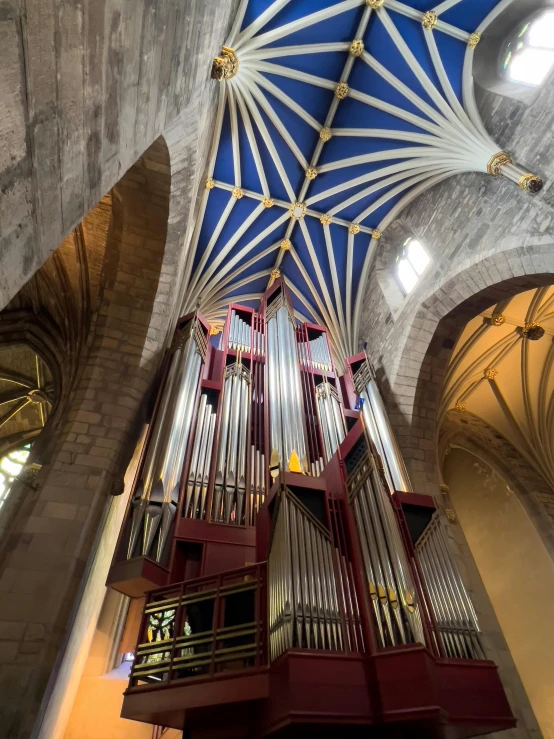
<point>411,264</point>
<point>10,467</point>
<point>528,55</point>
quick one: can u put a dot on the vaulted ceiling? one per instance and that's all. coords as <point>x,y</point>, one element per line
<point>332,117</point>
<point>502,370</point>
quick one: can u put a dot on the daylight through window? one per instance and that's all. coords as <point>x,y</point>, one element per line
<point>529,55</point>
<point>10,467</point>
<point>411,264</point>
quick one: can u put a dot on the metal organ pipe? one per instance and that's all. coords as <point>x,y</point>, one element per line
<point>391,588</point>
<point>287,433</point>
<point>303,601</point>
<point>231,456</point>
<point>379,429</point>
<point>157,492</point>
<point>330,417</point>
<point>454,612</point>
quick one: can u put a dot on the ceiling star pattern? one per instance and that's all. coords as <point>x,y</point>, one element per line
<point>336,116</point>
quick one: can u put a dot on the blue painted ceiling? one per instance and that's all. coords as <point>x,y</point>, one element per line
<point>394,134</point>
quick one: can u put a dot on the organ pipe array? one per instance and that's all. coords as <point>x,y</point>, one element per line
<point>379,428</point>
<point>287,436</point>
<point>303,593</point>
<point>391,589</point>
<point>232,452</point>
<point>157,492</point>
<point>259,454</point>
<point>455,615</point>
<point>269,403</point>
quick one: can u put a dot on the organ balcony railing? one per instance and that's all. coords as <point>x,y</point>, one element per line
<point>201,628</point>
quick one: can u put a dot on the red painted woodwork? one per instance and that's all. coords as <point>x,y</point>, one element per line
<point>406,691</point>
<point>135,577</point>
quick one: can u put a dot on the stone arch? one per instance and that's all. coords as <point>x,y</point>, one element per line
<point>412,371</point>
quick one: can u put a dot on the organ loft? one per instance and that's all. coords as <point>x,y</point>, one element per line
<point>351,611</point>
<point>276,369</point>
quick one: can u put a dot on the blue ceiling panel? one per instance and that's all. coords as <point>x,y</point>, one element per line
<point>468,16</point>
<point>315,100</point>
<point>300,109</point>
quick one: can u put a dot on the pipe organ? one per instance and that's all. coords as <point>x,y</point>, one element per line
<point>273,530</point>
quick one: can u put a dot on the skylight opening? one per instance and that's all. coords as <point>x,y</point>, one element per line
<point>528,57</point>
<point>412,264</point>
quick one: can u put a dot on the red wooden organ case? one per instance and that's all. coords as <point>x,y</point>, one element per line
<point>294,584</point>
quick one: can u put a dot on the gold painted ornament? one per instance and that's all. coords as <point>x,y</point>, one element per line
<point>490,373</point>
<point>294,463</point>
<point>237,193</point>
<point>297,210</point>
<point>226,66</point>
<point>285,245</point>
<point>325,220</point>
<point>473,40</point>
<point>460,407</point>
<point>268,202</point>
<point>374,3</point>
<point>357,47</point>
<point>429,20</point>
<point>532,331</point>
<point>311,173</point>
<point>275,274</point>
<point>210,183</point>
<point>496,162</point>
<point>354,229</point>
<point>325,134</point>
<point>341,91</point>
<point>497,319</point>
<point>530,182</point>
<point>376,234</point>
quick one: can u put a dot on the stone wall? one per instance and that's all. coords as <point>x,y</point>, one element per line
<point>85,88</point>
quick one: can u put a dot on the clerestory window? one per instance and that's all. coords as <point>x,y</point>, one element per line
<point>528,56</point>
<point>411,264</point>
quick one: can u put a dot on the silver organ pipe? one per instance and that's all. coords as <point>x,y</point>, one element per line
<point>304,609</point>
<point>454,613</point>
<point>379,429</point>
<point>243,336</point>
<point>157,493</point>
<point>199,470</point>
<point>287,434</point>
<point>390,585</point>
<point>330,418</point>
<point>232,452</point>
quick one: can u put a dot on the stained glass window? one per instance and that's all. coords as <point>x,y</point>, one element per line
<point>10,467</point>
<point>528,56</point>
<point>411,264</point>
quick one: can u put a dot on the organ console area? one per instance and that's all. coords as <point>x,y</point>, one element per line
<point>294,583</point>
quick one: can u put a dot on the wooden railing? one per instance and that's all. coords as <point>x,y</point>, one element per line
<point>202,627</point>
